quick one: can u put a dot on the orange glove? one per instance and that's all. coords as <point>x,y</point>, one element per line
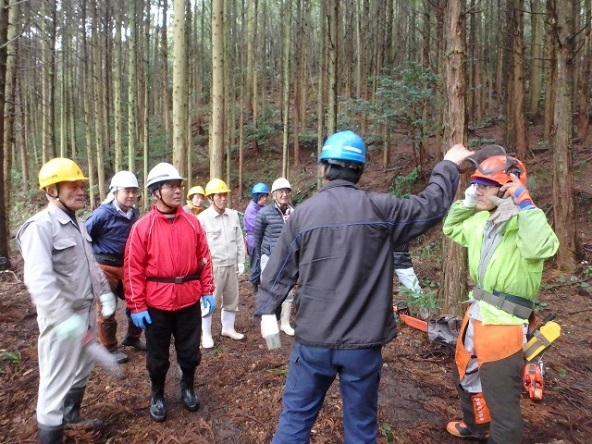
<point>518,192</point>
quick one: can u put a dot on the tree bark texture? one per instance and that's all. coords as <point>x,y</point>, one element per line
<point>563,182</point>
<point>453,286</point>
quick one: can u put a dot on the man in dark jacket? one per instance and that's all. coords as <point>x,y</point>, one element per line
<point>109,226</point>
<point>268,227</point>
<point>339,245</point>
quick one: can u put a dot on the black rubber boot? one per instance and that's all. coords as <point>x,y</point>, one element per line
<point>72,416</point>
<point>136,343</point>
<point>50,434</point>
<point>188,397</point>
<point>158,410</point>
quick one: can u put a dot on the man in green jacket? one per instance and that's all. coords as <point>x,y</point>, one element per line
<point>507,239</point>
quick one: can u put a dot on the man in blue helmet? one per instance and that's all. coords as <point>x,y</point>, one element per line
<point>259,196</point>
<point>339,246</point>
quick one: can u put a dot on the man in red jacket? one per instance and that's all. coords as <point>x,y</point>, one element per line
<point>167,270</point>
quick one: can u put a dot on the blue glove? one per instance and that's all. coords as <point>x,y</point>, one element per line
<point>209,302</point>
<point>141,319</point>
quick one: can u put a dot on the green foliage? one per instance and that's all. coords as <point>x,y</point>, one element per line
<point>9,358</point>
<point>562,373</point>
<point>387,430</point>
<point>308,139</point>
<point>403,184</point>
<point>403,94</point>
<point>283,371</point>
<point>429,251</point>
<point>425,304</point>
<point>478,141</point>
<point>268,127</point>
<point>23,205</point>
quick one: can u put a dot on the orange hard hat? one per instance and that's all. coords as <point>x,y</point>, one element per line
<point>497,169</point>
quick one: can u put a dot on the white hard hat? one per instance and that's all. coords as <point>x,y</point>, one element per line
<point>163,172</point>
<point>280,184</point>
<point>124,179</point>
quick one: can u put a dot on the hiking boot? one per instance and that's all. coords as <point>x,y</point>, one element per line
<point>136,343</point>
<point>120,357</point>
<point>460,430</point>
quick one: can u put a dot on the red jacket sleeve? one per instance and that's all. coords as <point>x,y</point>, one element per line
<point>207,273</point>
<point>134,269</point>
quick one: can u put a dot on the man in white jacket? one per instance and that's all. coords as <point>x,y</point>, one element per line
<point>227,247</point>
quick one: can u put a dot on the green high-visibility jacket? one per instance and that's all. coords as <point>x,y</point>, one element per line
<point>516,266</point>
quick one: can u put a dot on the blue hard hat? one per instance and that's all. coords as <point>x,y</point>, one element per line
<point>346,146</point>
<point>260,188</point>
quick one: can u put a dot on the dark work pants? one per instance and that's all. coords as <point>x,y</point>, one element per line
<point>312,371</point>
<point>501,382</point>
<point>185,326</point>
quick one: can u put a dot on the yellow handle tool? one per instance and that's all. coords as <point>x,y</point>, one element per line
<point>541,339</point>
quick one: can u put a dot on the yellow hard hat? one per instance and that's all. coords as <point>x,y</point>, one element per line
<point>195,190</point>
<point>216,186</point>
<point>58,170</point>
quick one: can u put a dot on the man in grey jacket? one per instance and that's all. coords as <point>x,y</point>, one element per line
<point>64,282</point>
<point>268,226</point>
<point>339,246</point>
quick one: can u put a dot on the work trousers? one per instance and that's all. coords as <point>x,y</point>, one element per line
<point>499,380</point>
<point>107,326</point>
<point>226,287</point>
<point>63,365</point>
<point>185,327</point>
<point>311,373</point>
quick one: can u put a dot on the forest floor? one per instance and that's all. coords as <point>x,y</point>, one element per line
<point>240,382</point>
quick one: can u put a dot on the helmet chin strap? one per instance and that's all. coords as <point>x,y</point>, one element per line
<point>172,209</point>
<point>57,198</point>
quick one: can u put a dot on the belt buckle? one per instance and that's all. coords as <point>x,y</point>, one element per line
<point>500,302</point>
<point>179,280</point>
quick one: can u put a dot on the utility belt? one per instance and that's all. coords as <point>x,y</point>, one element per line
<point>115,260</point>
<point>174,280</point>
<point>509,303</point>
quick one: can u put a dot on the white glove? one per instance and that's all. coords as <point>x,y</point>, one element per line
<point>269,325</point>
<point>108,304</point>
<point>471,196</point>
<point>241,268</point>
<point>71,329</point>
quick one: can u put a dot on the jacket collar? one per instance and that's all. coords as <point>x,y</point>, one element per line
<point>338,183</point>
<point>176,213</point>
<point>60,215</point>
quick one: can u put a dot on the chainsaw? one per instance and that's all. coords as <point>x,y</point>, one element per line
<point>539,340</point>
